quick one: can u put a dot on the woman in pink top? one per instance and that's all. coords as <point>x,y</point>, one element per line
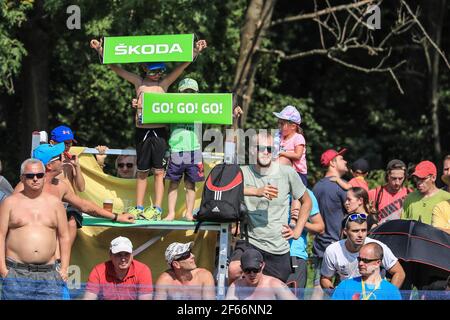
<point>292,142</point>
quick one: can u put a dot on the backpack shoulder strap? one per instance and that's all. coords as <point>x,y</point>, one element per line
<point>378,198</point>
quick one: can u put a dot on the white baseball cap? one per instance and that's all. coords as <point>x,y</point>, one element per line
<point>121,244</point>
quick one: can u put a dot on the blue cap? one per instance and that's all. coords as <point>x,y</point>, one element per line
<point>61,134</point>
<point>46,152</point>
<point>155,66</point>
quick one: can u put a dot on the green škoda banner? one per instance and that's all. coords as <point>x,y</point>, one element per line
<point>161,48</point>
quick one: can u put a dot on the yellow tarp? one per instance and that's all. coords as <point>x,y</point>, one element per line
<point>92,244</point>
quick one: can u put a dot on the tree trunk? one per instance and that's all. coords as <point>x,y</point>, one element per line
<point>35,77</point>
<point>435,17</point>
<point>257,20</point>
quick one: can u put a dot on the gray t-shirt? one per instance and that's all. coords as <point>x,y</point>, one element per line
<point>266,217</point>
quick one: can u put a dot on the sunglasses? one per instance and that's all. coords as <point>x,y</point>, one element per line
<point>155,72</point>
<point>250,270</point>
<point>264,148</point>
<point>129,165</point>
<point>184,256</point>
<point>31,176</point>
<point>365,260</point>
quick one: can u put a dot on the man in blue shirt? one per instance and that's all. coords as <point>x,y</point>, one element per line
<point>370,286</point>
<point>331,198</point>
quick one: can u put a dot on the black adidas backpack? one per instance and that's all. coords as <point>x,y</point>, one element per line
<point>223,196</point>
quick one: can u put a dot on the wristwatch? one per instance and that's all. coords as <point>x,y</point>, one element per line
<point>115,217</point>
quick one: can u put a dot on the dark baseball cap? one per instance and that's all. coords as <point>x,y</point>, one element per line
<point>361,165</point>
<point>251,259</point>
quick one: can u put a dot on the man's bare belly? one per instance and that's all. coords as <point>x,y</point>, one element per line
<point>31,244</point>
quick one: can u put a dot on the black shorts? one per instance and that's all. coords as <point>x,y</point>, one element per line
<point>76,214</point>
<point>276,265</point>
<point>151,148</point>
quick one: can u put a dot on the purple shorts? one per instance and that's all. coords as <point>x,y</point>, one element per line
<point>188,163</point>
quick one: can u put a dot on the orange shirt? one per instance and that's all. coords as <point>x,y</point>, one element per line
<point>389,205</point>
<point>359,182</point>
<point>104,283</point>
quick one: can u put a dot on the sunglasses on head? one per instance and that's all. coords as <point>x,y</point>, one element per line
<point>365,260</point>
<point>250,270</point>
<point>129,165</point>
<point>264,148</point>
<point>184,256</point>
<point>30,176</point>
<point>355,217</point>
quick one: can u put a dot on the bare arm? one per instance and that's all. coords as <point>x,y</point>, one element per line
<point>231,293</point>
<point>282,291</point>
<point>326,282</point>
<point>78,179</point>
<point>129,76</point>
<point>5,209</point>
<point>63,238</point>
<point>267,191</point>
<point>293,155</point>
<point>316,225</point>
<point>208,287</point>
<point>305,210</point>
<point>398,274</point>
<point>161,287</point>
<point>344,185</point>
<point>171,77</point>
<point>92,209</point>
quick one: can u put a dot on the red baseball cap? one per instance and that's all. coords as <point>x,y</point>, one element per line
<point>424,169</point>
<point>329,155</point>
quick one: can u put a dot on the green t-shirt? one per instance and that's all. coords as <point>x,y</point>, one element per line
<point>183,138</point>
<point>416,206</point>
<point>266,217</point>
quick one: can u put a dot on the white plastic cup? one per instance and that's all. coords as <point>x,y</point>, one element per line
<point>108,205</point>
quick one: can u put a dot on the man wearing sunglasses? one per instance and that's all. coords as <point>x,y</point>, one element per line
<point>151,139</point>
<point>254,285</point>
<point>370,285</point>
<point>120,278</point>
<point>184,280</point>
<point>419,204</point>
<point>267,189</point>
<point>125,164</point>
<point>341,258</point>
<point>51,156</point>
<point>33,230</point>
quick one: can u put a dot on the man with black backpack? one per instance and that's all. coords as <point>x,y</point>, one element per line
<point>268,187</point>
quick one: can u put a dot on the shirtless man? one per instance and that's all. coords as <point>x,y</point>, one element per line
<point>151,139</point>
<point>254,285</point>
<point>184,280</point>
<point>71,174</point>
<point>71,166</point>
<point>32,223</point>
<point>50,155</point>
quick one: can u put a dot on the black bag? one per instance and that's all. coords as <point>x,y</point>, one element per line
<point>223,196</point>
